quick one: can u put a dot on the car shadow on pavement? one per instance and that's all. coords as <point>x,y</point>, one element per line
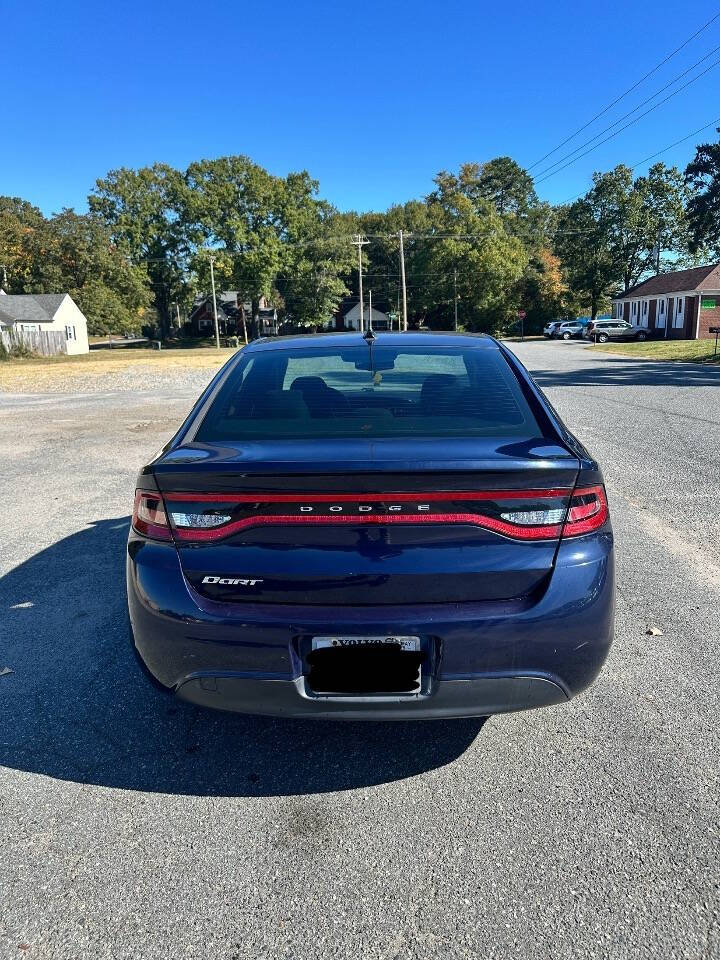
<point>77,706</point>
<point>617,372</point>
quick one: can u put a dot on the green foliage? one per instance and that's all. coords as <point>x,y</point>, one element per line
<point>146,212</point>
<point>635,215</point>
<point>702,176</point>
<point>608,237</point>
<point>584,250</point>
<point>76,254</point>
<point>480,242</point>
<point>18,350</point>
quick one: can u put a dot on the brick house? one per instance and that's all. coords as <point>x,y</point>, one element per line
<point>681,305</point>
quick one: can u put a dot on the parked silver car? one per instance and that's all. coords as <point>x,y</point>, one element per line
<point>603,330</point>
<point>569,330</point>
<point>549,328</point>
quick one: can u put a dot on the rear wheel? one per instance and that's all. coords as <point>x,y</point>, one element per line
<point>603,338</point>
<point>567,336</point>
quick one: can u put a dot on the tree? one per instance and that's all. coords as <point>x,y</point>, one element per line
<point>21,224</point>
<point>382,256</point>
<point>267,232</point>
<point>76,254</point>
<point>82,259</point>
<point>501,182</point>
<point>665,198</point>
<point>637,216</point>
<point>241,210</point>
<point>544,291</point>
<point>485,256</point>
<point>584,248</point>
<point>702,176</point>
<point>146,211</point>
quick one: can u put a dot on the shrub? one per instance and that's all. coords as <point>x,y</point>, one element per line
<point>18,350</point>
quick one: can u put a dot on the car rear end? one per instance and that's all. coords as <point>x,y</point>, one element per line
<point>391,529</point>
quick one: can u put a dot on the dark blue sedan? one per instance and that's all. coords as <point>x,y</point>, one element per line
<point>388,526</point>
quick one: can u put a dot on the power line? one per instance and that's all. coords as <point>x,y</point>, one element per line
<point>652,156</point>
<point>626,93</point>
<point>634,110</point>
<point>630,124</point>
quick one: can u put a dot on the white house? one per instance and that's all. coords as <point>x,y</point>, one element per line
<point>46,312</point>
<point>351,319</point>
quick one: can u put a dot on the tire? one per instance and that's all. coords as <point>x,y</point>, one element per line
<point>641,336</point>
<point>567,336</point>
<point>603,338</point>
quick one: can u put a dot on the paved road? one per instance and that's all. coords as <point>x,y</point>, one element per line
<point>136,827</point>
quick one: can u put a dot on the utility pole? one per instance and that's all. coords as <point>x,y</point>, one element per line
<point>370,310</point>
<point>402,276</point>
<point>455,292</point>
<point>359,241</point>
<point>212,281</point>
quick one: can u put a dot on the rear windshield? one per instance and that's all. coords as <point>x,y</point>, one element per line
<point>359,392</point>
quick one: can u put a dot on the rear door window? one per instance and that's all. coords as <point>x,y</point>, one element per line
<point>361,392</point>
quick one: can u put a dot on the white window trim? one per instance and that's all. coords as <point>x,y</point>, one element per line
<point>661,314</point>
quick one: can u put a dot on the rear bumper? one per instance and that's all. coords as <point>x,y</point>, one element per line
<point>447,698</point>
<point>489,657</point>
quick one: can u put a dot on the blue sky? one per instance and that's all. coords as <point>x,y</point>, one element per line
<point>373,99</point>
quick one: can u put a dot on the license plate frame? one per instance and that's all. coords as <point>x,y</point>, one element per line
<point>406,643</point>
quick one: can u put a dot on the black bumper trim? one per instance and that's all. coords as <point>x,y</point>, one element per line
<point>448,698</point>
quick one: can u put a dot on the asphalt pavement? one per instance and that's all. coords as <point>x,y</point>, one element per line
<point>136,826</point>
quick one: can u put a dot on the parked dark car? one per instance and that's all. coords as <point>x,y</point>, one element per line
<point>395,526</point>
<point>603,330</point>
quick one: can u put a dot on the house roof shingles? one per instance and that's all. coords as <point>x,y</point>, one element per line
<point>31,307</point>
<point>678,281</point>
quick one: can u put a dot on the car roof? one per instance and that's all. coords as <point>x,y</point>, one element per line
<point>430,339</point>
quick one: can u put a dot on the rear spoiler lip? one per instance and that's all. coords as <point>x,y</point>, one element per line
<point>198,409</point>
<point>544,410</point>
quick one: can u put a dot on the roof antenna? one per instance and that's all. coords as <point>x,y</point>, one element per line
<point>369,339</point>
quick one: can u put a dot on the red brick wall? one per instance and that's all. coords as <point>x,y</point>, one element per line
<point>709,317</point>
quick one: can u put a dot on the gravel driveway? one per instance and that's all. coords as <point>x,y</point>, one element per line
<point>134,826</point>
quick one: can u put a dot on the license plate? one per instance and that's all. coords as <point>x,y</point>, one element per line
<point>405,643</point>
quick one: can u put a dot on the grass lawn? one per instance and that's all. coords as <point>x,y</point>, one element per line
<point>694,351</point>
<point>44,371</point>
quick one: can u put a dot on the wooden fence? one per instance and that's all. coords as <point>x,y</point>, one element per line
<point>46,343</point>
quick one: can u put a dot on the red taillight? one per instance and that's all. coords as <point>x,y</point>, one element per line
<point>211,517</point>
<point>588,511</point>
<point>149,516</point>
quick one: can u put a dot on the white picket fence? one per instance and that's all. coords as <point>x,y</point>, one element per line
<point>46,343</point>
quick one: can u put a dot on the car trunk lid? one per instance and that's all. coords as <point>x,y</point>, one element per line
<point>367,522</point>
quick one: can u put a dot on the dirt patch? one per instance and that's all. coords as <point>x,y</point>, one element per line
<point>90,371</point>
